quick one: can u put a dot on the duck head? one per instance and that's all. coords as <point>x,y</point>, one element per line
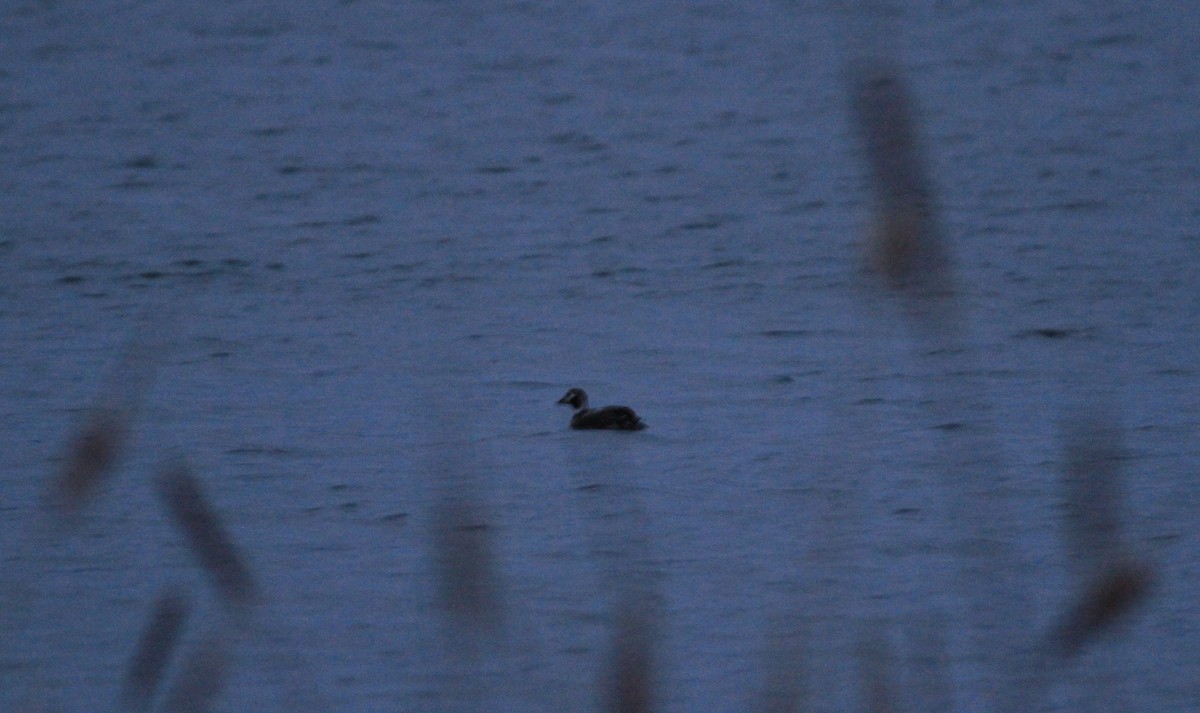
<point>575,398</point>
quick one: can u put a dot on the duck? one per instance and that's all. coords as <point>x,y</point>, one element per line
<point>617,418</point>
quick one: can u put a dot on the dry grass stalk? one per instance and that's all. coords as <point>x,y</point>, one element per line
<point>1114,582</point>
<point>632,684</point>
<point>202,677</point>
<point>91,458</point>
<point>468,581</point>
<point>207,538</point>
<point>905,245</point>
<point>96,447</point>
<point>1107,599</point>
<point>155,648</point>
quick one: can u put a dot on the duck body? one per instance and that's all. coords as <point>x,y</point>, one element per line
<point>615,418</point>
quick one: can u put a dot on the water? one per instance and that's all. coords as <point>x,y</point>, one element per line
<point>372,245</point>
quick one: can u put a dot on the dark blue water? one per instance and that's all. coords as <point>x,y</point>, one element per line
<point>370,246</point>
